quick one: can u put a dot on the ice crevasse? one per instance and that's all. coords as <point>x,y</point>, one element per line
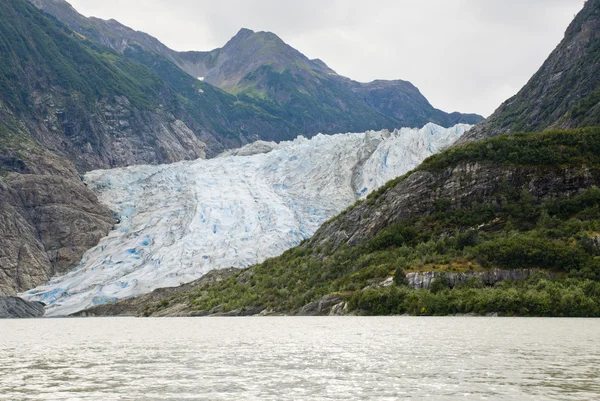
<point>181,220</point>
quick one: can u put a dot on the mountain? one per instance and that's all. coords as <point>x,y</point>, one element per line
<point>68,105</point>
<point>524,206</point>
<point>260,68</point>
<point>564,93</point>
<point>88,94</point>
<point>179,221</point>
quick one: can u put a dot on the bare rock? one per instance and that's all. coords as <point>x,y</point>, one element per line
<point>13,307</point>
<point>140,305</point>
<point>423,280</point>
<point>322,306</point>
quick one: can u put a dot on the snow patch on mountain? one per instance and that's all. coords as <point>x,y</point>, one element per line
<point>181,220</point>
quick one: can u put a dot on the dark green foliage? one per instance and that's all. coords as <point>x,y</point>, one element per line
<point>529,251</point>
<point>312,102</point>
<point>551,148</point>
<point>538,296</point>
<point>400,276</point>
<point>393,236</point>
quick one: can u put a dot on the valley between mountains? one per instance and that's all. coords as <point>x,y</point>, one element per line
<point>130,187</point>
<point>182,220</point>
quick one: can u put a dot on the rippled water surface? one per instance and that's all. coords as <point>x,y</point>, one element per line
<point>300,359</point>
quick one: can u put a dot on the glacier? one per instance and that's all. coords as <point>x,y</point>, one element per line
<point>181,220</point>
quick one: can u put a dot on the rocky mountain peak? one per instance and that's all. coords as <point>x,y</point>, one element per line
<point>242,33</point>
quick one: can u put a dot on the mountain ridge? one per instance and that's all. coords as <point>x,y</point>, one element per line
<point>497,199</point>
<point>260,67</point>
<point>77,95</point>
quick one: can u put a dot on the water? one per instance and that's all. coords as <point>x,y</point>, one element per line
<point>294,358</point>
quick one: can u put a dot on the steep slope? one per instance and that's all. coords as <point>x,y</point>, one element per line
<point>264,71</point>
<point>518,201</point>
<point>117,36</point>
<point>67,105</point>
<point>524,201</point>
<point>83,101</point>
<point>12,307</point>
<point>179,221</point>
<point>261,66</point>
<point>564,93</point>
<point>48,217</point>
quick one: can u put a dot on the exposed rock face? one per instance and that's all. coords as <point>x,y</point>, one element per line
<point>13,307</point>
<point>460,185</point>
<point>564,93</point>
<point>423,281</point>
<point>328,305</point>
<point>114,133</point>
<point>137,306</point>
<point>48,219</point>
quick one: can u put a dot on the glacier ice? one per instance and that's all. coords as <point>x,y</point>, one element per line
<point>179,221</point>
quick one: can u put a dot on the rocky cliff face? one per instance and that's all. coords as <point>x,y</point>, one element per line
<point>113,133</point>
<point>13,307</point>
<point>48,217</point>
<point>564,93</point>
<point>424,280</point>
<point>460,185</point>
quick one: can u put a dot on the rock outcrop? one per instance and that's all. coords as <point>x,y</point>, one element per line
<point>17,308</point>
<point>424,280</point>
<point>138,306</point>
<point>460,185</point>
<point>48,219</point>
<point>331,304</point>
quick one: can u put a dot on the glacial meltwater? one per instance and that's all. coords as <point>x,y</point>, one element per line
<point>293,358</point>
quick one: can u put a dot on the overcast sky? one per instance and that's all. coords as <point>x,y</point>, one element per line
<point>464,55</point>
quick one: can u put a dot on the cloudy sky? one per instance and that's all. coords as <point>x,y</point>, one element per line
<point>464,55</point>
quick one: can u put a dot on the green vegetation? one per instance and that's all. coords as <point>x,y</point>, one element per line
<point>555,148</point>
<point>566,90</point>
<point>294,96</point>
<point>550,148</point>
<point>560,236</point>
<point>538,296</point>
<point>216,109</point>
<point>40,53</point>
